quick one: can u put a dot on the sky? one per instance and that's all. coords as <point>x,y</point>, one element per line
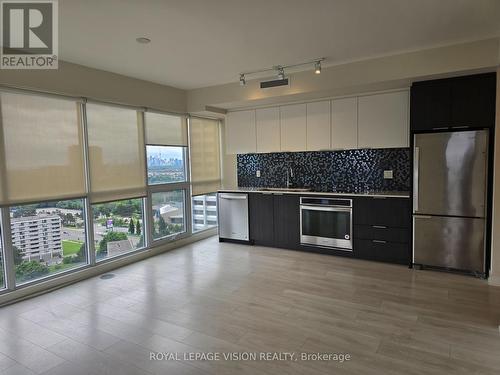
<point>166,152</point>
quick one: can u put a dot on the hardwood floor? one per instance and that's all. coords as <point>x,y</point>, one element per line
<point>212,297</point>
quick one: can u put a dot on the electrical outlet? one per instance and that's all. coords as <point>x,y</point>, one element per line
<point>257,173</point>
<point>388,175</point>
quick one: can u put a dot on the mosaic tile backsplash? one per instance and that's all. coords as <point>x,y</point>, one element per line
<point>346,171</point>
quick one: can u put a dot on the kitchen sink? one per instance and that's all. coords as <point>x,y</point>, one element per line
<point>286,189</point>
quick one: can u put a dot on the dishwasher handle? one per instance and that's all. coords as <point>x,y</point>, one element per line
<point>233,196</point>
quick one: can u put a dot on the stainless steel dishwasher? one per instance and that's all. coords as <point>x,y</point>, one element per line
<point>233,216</point>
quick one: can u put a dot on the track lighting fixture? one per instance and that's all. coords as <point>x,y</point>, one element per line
<point>280,69</point>
<point>281,73</point>
<point>317,67</point>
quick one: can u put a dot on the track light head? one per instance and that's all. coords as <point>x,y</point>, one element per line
<point>281,73</point>
<point>243,81</point>
<point>317,67</point>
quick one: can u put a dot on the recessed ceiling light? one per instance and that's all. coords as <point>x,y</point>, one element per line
<point>143,40</point>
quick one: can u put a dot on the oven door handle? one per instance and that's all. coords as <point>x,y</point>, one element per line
<point>326,208</point>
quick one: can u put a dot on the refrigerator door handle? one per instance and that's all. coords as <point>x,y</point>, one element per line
<point>416,162</point>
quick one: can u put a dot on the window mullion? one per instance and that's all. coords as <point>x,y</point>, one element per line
<point>9,267</point>
<point>88,217</point>
<point>148,220</point>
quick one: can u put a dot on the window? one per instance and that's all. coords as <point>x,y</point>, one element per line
<point>165,164</point>
<point>116,153</point>
<point>204,146</point>
<point>42,149</point>
<point>47,238</point>
<point>168,213</point>
<point>166,130</point>
<point>204,211</point>
<point>118,227</point>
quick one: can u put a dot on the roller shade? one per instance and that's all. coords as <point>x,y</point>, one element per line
<point>165,130</point>
<point>204,148</point>
<point>116,153</point>
<point>41,148</point>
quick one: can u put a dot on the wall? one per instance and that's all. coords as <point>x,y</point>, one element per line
<point>495,240</point>
<point>347,171</point>
<point>228,161</point>
<point>389,72</point>
<point>77,80</point>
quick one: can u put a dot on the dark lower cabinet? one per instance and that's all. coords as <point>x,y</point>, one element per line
<point>381,227</point>
<point>274,220</point>
<point>261,212</point>
<point>382,251</point>
<point>382,233</point>
<point>287,221</point>
<point>390,212</point>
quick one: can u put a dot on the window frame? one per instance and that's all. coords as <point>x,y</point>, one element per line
<point>171,237</point>
<point>221,157</point>
<point>13,284</point>
<point>168,187</point>
<point>192,214</point>
<point>145,231</point>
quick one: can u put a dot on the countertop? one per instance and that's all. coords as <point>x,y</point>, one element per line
<point>384,194</point>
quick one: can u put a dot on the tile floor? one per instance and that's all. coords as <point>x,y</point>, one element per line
<point>212,297</point>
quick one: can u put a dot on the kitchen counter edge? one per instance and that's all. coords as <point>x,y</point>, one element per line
<point>256,190</point>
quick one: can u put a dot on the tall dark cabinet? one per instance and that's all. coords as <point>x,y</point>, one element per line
<point>453,103</point>
<point>458,104</point>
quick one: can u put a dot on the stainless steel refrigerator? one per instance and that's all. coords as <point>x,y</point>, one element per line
<point>449,200</point>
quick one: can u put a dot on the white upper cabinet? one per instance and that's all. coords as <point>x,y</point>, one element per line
<point>267,123</point>
<point>293,127</point>
<point>383,120</point>
<point>370,121</point>
<point>318,126</point>
<point>344,123</point>
<point>240,132</point>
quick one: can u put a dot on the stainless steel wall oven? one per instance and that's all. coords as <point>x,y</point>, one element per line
<point>326,222</point>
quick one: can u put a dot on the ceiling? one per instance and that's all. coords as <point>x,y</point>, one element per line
<point>199,43</point>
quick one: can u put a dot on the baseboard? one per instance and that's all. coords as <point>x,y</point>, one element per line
<point>494,280</point>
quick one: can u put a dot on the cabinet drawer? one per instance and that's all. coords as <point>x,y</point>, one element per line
<point>383,251</point>
<point>389,212</point>
<point>382,232</point>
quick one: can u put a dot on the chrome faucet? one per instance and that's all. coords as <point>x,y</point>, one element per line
<point>289,174</point>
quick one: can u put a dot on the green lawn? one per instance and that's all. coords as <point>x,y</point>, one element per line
<point>71,247</point>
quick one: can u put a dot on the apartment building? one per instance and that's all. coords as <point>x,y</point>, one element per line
<point>38,237</point>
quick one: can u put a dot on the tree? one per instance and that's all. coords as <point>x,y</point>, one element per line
<point>138,228</point>
<point>80,255</point>
<point>77,258</point>
<point>162,226</point>
<point>68,219</point>
<point>31,270</point>
<point>18,255</point>
<point>25,211</point>
<point>125,209</point>
<point>110,237</point>
<point>131,227</point>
